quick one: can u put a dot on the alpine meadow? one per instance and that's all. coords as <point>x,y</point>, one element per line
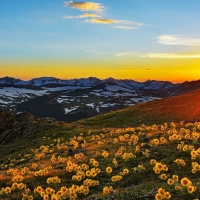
<point>99,100</point>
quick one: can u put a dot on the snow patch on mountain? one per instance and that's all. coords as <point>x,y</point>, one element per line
<point>15,92</point>
<point>4,102</point>
<point>90,105</point>
<point>143,99</point>
<point>68,110</point>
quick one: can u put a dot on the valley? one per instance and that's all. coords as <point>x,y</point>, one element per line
<point>71,100</point>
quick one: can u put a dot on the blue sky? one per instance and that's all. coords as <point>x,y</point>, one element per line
<point>50,38</point>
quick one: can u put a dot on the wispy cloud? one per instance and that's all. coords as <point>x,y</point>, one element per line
<point>85,6</point>
<point>85,15</point>
<point>164,56</point>
<point>124,54</point>
<point>89,15</point>
<point>178,40</point>
<point>101,21</point>
<point>117,54</point>
<point>122,24</point>
<point>96,52</point>
<point>125,27</point>
<point>96,19</point>
<point>127,22</point>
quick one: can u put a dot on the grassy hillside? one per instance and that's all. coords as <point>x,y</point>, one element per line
<point>185,107</point>
<point>112,156</point>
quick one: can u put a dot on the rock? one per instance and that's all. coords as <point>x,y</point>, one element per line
<point>79,150</point>
<point>16,126</point>
<point>70,152</point>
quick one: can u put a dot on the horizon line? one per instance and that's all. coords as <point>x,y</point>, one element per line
<point>26,80</point>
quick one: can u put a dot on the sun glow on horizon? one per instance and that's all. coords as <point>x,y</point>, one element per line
<point>72,39</point>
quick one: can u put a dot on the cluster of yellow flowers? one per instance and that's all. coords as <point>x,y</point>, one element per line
<point>162,194</point>
<point>107,190</point>
<point>124,172</point>
<point>92,172</point>
<point>18,186</point>
<point>154,127</point>
<point>13,171</point>
<point>180,146</point>
<point>185,182</point>
<point>116,178</point>
<point>195,154</point>
<point>71,166</point>
<point>134,139</point>
<point>126,156</point>
<point>6,190</point>
<point>163,140</point>
<point>80,175</point>
<point>39,156</point>
<point>95,137</point>
<point>146,152</point>
<point>114,161</point>
<point>180,162</point>
<point>122,138</point>
<point>17,178</point>
<point>105,154</point>
<point>159,167</point>
<point>79,156</point>
<point>74,143</point>
<point>174,137</point>
<point>63,193</point>
<point>54,179</point>
<point>90,182</point>
<point>27,197</point>
<point>120,151</point>
<point>139,168</point>
<point>94,162</point>
<point>195,167</point>
<point>81,168</point>
<point>155,142</point>
<point>137,149</point>
<point>187,147</point>
<point>55,160</point>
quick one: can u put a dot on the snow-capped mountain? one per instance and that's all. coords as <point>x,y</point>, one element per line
<point>88,82</point>
<point>80,98</point>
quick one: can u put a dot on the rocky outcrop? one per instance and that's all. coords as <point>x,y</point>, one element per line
<point>15,126</point>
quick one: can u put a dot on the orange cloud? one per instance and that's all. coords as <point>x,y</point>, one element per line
<point>85,6</point>
<point>89,15</point>
<point>101,21</point>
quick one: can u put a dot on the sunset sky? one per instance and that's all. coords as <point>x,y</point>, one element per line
<point>124,39</point>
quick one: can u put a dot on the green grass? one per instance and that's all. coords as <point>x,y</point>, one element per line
<point>139,184</point>
<point>103,133</point>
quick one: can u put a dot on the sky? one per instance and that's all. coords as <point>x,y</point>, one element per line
<point>123,39</point>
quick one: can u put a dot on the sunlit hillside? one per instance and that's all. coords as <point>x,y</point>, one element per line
<point>185,107</point>
<point>148,151</point>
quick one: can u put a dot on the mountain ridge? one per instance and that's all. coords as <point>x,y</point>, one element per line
<point>75,99</point>
<point>90,81</point>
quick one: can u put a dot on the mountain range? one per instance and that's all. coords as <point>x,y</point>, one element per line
<point>70,100</point>
<point>87,82</point>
